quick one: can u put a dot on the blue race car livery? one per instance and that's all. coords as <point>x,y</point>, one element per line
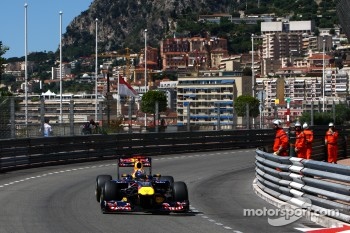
<point>140,190</point>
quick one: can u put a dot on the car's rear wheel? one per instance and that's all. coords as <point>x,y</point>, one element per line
<point>100,182</point>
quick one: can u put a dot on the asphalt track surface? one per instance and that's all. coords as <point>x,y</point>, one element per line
<point>60,199</point>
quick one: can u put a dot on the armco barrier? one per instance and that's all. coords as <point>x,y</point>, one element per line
<point>325,185</point>
<point>41,151</point>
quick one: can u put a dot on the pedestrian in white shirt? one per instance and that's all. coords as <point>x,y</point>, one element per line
<point>47,128</point>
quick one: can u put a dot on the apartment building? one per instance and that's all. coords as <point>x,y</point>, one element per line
<point>17,68</point>
<point>284,38</point>
<point>152,58</point>
<point>170,90</point>
<point>301,91</point>
<point>282,41</point>
<point>208,98</point>
<point>55,71</point>
<point>82,107</point>
<point>192,53</point>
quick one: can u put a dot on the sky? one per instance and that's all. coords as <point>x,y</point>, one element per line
<point>43,23</point>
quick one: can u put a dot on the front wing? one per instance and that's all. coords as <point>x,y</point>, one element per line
<point>122,206</point>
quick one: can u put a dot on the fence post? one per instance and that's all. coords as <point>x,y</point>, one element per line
<point>247,115</point>
<point>12,119</point>
<point>71,117</point>
<point>312,114</point>
<point>42,115</point>
<point>156,117</point>
<point>130,108</point>
<point>333,109</point>
<point>291,142</point>
<point>188,117</point>
<point>218,120</point>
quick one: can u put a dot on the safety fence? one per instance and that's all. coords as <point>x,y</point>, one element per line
<point>42,151</point>
<point>321,187</point>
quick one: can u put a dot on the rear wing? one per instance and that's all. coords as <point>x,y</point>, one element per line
<point>132,160</point>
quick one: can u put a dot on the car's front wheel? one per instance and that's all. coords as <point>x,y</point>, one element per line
<point>100,182</point>
<point>111,191</point>
<point>180,193</point>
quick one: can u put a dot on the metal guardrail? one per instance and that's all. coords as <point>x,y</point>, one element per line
<point>326,185</point>
<point>41,151</point>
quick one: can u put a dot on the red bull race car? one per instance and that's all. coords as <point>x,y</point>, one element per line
<point>140,190</point>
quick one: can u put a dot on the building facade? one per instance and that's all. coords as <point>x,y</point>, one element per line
<point>301,91</point>
<point>192,53</point>
<point>208,98</point>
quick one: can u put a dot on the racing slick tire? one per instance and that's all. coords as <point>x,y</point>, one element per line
<point>100,182</point>
<point>111,191</point>
<point>180,192</point>
<point>167,178</point>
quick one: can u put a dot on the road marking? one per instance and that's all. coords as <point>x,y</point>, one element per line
<point>115,164</point>
<point>193,209</point>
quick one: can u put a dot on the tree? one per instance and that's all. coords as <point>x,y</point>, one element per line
<point>342,115</point>
<point>332,32</point>
<point>148,102</point>
<point>241,103</point>
<point>3,50</point>
<point>8,79</point>
<point>247,71</point>
<point>5,113</point>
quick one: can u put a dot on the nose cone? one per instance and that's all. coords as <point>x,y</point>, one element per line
<point>146,191</point>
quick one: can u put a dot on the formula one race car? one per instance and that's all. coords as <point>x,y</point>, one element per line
<point>140,190</point>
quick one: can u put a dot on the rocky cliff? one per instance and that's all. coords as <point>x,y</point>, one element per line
<point>121,23</point>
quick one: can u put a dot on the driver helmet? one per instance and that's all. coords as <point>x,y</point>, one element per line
<point>139,174</point>
<point>138,166</point>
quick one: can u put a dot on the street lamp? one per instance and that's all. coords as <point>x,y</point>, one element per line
<point>145,71</point>
<point>96,69</point>
<point>26,64</point>
<point>252,65</point>
<point>118,95</point>
<point>323,77</point>
<point>61,66</point>
<point>253,78</point>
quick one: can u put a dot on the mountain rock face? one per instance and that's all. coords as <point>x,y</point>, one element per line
<point>121,23</point>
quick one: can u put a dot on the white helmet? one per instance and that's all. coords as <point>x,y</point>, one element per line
<point>331,124</point>
<point>305,125</point>
<point>277,122</point>
<point>297,124</point>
